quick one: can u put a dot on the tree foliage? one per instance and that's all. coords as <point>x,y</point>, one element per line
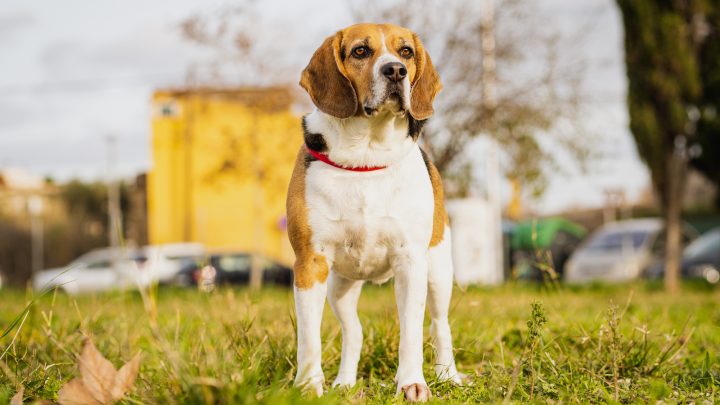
<point>668,51</point>
<point>708,126</point>
<point>662,44</point>
<point>79,226</point>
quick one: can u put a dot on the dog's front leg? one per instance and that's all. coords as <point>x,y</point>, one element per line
<point>309,304</point>
<point>411,291</point>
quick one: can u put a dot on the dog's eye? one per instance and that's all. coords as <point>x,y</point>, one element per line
<point>360,52</point>
<point>406,52</point>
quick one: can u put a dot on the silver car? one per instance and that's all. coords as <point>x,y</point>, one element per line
<point>620,251</point>
<point>133,268</point>
<point>94,272</point>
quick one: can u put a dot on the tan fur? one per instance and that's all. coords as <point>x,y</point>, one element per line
<point>440,218</point>
<point>326,81</point>
<point>426,86</point>
<point>310,267</point>
<point>339,84</point>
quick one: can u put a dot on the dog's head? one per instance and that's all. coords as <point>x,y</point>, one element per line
<point>366,68</point>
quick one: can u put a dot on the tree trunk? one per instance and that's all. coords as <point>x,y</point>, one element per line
<point>673,211</point>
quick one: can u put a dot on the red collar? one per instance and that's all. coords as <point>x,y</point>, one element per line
<point>324,158</point>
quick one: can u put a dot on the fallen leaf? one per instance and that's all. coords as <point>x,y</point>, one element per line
<point>97,373</point>
<point>125,378</point>
<point>99,382</point>
<point>17,399</point>
<point>75,393</point>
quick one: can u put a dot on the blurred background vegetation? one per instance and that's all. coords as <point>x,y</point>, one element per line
<point>75,222</point>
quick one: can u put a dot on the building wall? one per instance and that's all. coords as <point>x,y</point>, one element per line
<point>221,165</point>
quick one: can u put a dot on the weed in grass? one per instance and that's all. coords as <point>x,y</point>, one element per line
<point>614,345</point>
<point>528,356</point>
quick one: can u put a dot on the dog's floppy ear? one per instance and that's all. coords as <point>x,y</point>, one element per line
<point>426,85</point>
<point>326,82</point>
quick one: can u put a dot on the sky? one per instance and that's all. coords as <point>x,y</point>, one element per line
<point>74,73</point>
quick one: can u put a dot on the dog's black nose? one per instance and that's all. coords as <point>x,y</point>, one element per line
<point>395,71</point>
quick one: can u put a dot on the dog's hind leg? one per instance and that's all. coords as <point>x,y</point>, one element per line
<point>343,295</point>
<point>440,283</point>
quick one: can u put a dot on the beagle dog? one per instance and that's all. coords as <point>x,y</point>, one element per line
<point>366,204</point>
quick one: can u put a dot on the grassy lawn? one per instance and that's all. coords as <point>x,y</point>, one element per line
<point>633,343</point>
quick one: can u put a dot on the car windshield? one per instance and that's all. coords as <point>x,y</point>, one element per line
<point>101,257</point>
<point>704,245</point>
<point>235,263</point>
<point>617,239</point>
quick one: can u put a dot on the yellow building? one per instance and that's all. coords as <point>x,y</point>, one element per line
<point>222,160</point>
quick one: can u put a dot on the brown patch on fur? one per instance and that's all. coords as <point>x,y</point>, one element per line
<point>426,85</point>
<point>310,267</point>
<point>440,218</point>
<point>310,270</point>
<point>326,81</point>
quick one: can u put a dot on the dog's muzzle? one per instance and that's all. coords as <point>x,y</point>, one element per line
<point>390,94</point>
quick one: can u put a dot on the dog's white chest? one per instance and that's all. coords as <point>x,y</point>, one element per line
<point>363,221</point>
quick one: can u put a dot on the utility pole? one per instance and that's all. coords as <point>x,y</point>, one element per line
<point>114,212</point>
<point>487,40</point>
<point>35,208</point>
<point>489,81</point>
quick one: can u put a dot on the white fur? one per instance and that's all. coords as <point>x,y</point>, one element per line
<point>360,220</point>
<point>309,305</point>
<point>372,226</point>
<point>380,140</point>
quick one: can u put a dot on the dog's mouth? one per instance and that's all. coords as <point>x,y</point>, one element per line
<point>393,102</point>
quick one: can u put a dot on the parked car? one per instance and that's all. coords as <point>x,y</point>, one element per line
<point>620,251</point>
<point>558,236</point>
<point>232,268</point>
<point>169,259</point>
<point>134,267</point>
<point>94,272</point>
<point>701,259</point>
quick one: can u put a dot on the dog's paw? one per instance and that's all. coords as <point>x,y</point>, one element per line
<point>417,392</point>
<point>344,381</point>
<point>456,378</point>
<point>461,379</point>
<point>314,385</point>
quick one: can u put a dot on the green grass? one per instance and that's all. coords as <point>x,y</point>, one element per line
<point>597,344</point>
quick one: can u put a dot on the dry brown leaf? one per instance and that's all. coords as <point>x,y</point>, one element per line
<point>99,382</point>
<point>125,378</point>
<point>98,374</point>
<point>75,393</point>
<point>17,399</point>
